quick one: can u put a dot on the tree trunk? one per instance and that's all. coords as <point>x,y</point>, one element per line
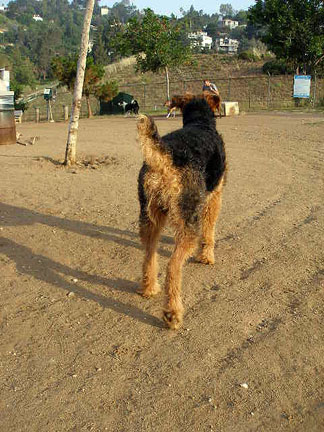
<point>70,153</point>
<point>89,107</point>
<point>167,82</point>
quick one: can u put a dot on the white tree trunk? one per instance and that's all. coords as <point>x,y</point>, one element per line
<point>70,153</point>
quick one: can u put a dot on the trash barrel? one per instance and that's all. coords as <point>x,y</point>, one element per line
<point>7,118</point>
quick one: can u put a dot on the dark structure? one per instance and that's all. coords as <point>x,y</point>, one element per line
<point>116,105</point>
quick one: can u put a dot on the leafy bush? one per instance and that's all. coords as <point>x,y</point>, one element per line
<point>249,56</point>
<point>277,67</point>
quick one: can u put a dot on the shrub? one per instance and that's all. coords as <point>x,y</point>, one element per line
<point>277,67</point>
<point>249,56</point>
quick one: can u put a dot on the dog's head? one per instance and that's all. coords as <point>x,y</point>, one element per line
<point>197,110</point>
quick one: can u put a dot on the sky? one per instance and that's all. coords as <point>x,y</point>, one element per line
<point>166,7</point>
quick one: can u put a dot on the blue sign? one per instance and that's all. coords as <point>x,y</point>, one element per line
<point>302,84</point>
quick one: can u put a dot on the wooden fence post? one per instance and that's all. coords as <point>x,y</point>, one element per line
<point>37,116</point>
<point>65,112</point>
<point>229,89</point>
<point>269,90</point>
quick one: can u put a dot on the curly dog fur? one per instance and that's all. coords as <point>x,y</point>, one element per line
<point>181,180</point>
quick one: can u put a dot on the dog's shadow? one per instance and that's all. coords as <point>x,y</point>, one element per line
<point>54,273</point>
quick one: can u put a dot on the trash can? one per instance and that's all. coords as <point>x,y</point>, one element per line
<point>7,118</point>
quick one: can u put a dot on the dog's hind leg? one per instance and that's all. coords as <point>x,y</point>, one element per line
<point>209,217</point>
<point>185,245</point>
<point>150,233</point>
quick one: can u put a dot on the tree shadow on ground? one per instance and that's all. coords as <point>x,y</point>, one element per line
<point>46,270</point>
<point>18,216</point>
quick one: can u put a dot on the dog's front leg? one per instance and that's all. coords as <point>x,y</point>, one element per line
<point>173,313</point>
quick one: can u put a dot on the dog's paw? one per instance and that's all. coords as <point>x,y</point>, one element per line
<point>149,292</point>
<point>172,319</point>
<point>205,257</point>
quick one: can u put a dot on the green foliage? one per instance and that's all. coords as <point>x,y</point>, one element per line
<point>58,34</point>
<point>249,56</point>
<point>227,10</point>
<point>293,29</point>
<point>156,41</point>
<point>193,20</point>
<point>106,91</point>
<point>65,69</point>
<point>277,67</point>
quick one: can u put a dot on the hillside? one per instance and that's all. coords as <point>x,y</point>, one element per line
<point>204,65</point>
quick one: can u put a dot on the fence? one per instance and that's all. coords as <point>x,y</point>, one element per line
<point>251,92</point>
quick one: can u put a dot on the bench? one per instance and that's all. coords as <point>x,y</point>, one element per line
<point>18,116</point>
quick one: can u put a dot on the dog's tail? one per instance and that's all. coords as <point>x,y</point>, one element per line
<point>152,147</point>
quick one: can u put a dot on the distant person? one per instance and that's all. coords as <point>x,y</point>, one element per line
<point>208,86</point>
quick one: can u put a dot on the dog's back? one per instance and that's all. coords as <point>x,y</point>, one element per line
<point>198,143</point>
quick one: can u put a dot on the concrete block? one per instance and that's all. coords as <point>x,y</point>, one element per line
<point>230,108</point>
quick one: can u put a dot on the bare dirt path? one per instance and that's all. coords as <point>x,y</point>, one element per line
<point>80,351</point>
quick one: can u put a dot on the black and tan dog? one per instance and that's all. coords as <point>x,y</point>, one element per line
<point>181,180</point>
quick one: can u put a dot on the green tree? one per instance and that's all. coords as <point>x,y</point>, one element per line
<point>293,30</point>
<point>99,52</point>
<point>226,9</point>
<point>65,70</point>
<point>106,91</point>
<point>156,42</point>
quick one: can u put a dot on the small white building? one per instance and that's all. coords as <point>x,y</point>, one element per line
<point>226,22</point>
<point>104,11</point>
<point>4,80</point>
<point>227,45</point>
<point>37,18</point>
<point>200,39</point>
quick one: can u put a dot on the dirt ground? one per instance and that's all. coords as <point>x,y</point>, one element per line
<point>80,351</point>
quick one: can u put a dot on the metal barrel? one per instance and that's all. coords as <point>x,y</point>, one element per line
<point>7,119</point>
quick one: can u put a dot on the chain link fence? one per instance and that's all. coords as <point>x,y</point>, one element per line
<point>251,92</point>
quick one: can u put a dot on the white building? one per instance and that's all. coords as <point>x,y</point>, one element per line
<point>37,18</point>
<point>4,80</point>
<point>226,22</point>
<point>227,45</point>
<point>104,11</point>
<point>200,39</point>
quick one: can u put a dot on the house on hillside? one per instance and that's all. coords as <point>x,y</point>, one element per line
<point>37,18</point>
<point>4,80</point>
<point>3,8</point>
<point>227,45</point>
<point>200,39</point>
<point>231,24</point>
<point>104,11</point>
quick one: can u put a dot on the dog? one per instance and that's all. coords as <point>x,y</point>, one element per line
<point>181,180</point>
<point>131,107</point>
<point>178,102</point>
